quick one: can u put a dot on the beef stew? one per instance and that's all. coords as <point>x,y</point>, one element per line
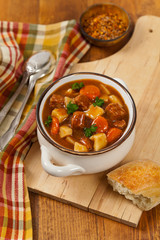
<point>85,115</point>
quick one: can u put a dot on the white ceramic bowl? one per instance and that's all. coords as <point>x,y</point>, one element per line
<point>68,162</point>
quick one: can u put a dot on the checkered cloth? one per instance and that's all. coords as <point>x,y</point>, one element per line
<point>18,41</point>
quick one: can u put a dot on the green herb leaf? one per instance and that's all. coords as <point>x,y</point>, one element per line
<point>48,121</point>
<point>77,86</point>
<point>71,107</point>
<point>81,84</point>
<point>89,131</point>
<point>98,102</point>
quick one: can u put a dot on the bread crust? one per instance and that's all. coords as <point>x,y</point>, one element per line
<point>138,181</point>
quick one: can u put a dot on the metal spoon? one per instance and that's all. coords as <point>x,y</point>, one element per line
<point>32,66</point>
<point>32,80</point>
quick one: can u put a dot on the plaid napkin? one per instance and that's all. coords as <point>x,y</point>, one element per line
<point>18,41</point>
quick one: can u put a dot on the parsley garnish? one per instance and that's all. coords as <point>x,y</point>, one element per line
<point>71,107</point>
<point>98,102</point>
<point>77,86</point>
<point>89,131</point>
<point>48,121</point>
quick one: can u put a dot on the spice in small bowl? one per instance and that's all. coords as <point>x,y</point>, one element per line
<point>105,24</point>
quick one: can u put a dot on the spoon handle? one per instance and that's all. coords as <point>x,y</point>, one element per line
<point>4,139</point>
<point>11,131</point>
<point>6,108</point>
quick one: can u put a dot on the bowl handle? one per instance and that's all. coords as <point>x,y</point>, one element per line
<point>122,82</point>
<point>58,171</point>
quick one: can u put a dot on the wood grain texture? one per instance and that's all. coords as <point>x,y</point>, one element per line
<point>110,204</point>
<point>75,190</point>
<point>21,11</point>
<point>140,71</point>
<point>88,192</point>
<point>53,220</point>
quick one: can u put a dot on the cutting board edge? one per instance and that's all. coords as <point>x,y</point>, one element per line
<point>128,223</point>
<point>79,65</point>
<point>59,199</point>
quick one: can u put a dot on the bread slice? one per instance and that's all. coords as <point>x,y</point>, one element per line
<point>138,181</point>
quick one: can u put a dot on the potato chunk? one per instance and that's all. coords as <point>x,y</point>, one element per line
<point>105,89</point>
<point>65,131</point>
<point>69,92</point>
<point>60,113</point>
<point>100,141</point>
<point>104,97</point>
<point>115,99</point>
<point>67,100</point>
<point>80,147</point>
<point>70,140</point>
<point>93,112</point>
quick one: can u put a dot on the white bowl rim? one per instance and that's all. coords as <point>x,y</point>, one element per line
<point>109,148</point>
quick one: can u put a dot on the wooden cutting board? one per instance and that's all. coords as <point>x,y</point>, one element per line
<point>138,64</point>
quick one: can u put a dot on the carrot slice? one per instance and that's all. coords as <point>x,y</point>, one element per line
<point>101,123</point>
<point>55,125</point>
<point>113,134</point>
<point>91,91</point>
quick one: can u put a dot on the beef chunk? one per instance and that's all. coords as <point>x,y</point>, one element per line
<point>120,124</point>
<point>78,120</point>
<point>82,101</point>
<point>56,101</point>
<point>115,111</point>
<point>87,142</point>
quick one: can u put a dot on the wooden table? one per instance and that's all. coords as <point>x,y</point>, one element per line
<point>52,219</point>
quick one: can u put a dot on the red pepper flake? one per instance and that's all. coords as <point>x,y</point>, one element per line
<point>104,26</point>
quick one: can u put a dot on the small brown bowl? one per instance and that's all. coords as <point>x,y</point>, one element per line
<point>108,14</point>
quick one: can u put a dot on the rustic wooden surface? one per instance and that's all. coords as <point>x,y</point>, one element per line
<point>88,192</point>
<point>52,219</point>
<point>140,69</point>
